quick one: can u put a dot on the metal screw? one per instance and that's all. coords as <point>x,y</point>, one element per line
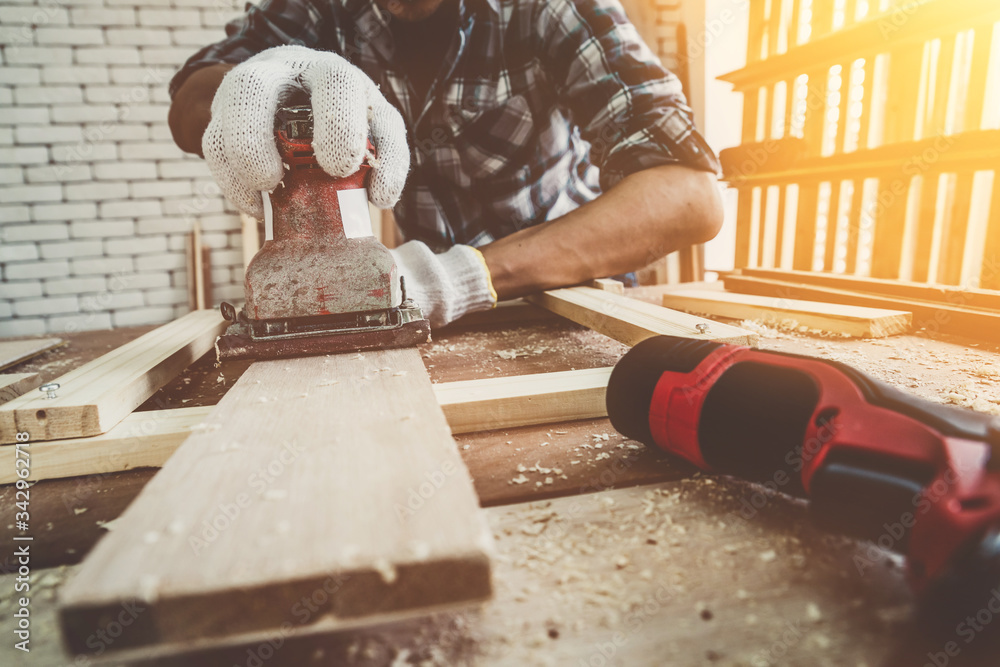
<point>50,389</point>
<point>701,327</point>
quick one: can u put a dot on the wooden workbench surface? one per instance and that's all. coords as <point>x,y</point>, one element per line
<point>609,553</point>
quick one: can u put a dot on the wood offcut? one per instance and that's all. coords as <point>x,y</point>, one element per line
<point>850,320</point>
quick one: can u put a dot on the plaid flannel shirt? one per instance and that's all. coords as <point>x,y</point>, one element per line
<point>539,105</point>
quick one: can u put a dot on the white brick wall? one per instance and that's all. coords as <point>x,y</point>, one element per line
<point>95,199</point>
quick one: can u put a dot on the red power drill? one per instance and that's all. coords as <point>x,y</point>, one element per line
<point>873,460</point>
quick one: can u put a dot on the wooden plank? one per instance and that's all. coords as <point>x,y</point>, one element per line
<point>989,275</point>
<point>933,317</point>
<point>147,439</point>
<point>250,238</point>
<point>13,385</point>
<point>141,440</point>
<point>975,91</point>
<point>13,352</point>
<point>855,221</point>
<point>955,227</point>
<point>804,240</point>
<point>744,215</point>
<point>631,321</point>
<point>755,32</point>
<point>924,233</point>
<point>905,66</point>
<point>195,269</point>
<point>98,395</point>
<point>956,296</point>
<point>692,263</point>
<point>336,474</point>
<point>975,150</point>
<point>850,320</point>
<point>608,285</point>
<point>521,400</point>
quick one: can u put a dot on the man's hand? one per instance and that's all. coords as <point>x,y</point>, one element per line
<point>347,106</point>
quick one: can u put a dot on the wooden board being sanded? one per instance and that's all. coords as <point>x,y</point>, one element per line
<point>96,396</point>
<point>631,321</point>
<point>836,318</point>
<point>334,479</point>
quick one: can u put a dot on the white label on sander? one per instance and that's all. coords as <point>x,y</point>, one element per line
<point>354,212</point>
<point>268,216</point>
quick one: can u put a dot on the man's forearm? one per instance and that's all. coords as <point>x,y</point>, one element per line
<point>646,216</point>
<point>191,108</point>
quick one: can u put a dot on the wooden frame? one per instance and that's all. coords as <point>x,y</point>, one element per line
<point>93,398</point>
<point>884,125</point>
<point>147,439</point>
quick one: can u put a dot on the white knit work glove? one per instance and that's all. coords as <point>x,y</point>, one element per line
<point>347,106</point>
<point>448,285</point>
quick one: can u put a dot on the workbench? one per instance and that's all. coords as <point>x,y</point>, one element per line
<point>608,553</point>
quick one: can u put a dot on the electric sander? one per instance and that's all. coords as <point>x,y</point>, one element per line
<point>321,283</point>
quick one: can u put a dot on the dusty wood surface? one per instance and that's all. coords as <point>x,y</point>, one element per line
<point>343,470</point>
<point>753,601</point>
<point>14,352</point>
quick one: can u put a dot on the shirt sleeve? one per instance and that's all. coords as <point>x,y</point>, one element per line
<point>271,23</point>
<point>629,107</point>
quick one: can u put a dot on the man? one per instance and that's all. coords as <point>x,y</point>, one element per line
<point>497,122</point>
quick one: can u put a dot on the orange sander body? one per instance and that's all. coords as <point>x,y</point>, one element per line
<point>323,284</point>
